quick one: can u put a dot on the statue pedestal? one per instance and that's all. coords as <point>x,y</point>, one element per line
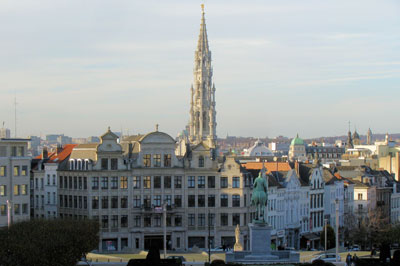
<point>260,242</point>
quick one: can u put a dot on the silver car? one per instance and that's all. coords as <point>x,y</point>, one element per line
<point>331,257</point>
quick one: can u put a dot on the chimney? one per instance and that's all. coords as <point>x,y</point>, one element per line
<point>296,168</point>
<point>45,154</point>
<point>58,149</point>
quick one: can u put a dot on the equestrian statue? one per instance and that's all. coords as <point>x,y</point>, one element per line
<point>260,196</point>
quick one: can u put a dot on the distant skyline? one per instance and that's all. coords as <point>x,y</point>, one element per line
<point>280,67</point>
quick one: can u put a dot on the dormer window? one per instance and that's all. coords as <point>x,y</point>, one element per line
<point>157,160</point>
<point>201,161</point>
<point>71,164</point>
<point>147,160</point>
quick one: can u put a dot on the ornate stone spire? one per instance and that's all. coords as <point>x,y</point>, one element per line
<point>369,136</point>
<point>202,122</point>
<point>349,143</point>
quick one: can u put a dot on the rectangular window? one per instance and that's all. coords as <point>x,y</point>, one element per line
<point>114,221</point>
<point>157,221</point>
<point>124,202</point>
<point>147,182</point>
<point>146,201</point>
<point>235,200</point>
<point>211,181</point>
<point>236,182</point>
<point>136,182</point>
<point>178,182</point>
<point>201,219</point>
<point>104,164</point>
<point>16,209</point>
<point>224,182</point>
<point>191,219</point>
<point>201,181</point>
<point>147,160</point>
<point>178,201</point>
<point>136,201</point>
<point>3,190</point>
<point>224,200</point>
<point>3,171</point>
<point>224,219</point>
<point>167,182</point>
<point>191,182</point>
<point>104,221</point>
<point>137,221</point>
<point>191,201</point>
<point>114,164</point>
<point>157,160</point>
<point>104,202</point>
<point>147,221</point>
<point>80,182</point>
<point>65,182</point>
<point>157,200</point>
<point>54,179</point>
<point>85,202</point>
<point>235,219</point>
<point>75,182</point>
<point>178,220</point>
<point>16,190</point>
<point>168,200</point>
<point>24,189</point>
<point>84,182</point>
<point>24,170</point>
<point>16,170</point>
<point>80,205</point>
<point>167,160</point>
<point>25,208</point>
<point>360,196</point>
<point>69,183</point>
<point>48,180</point>
<point>95,183</point>
<point>114,202</point>
<point>157,181</point>
<point>75,202</point>
<point>211,219</point>
<point>104,182</point>
<point>201,201</point>
<point>14,151</point>
<point>124,220</point>
<point>20,151</point>
<point>3,151</point>
<point>114,182</point>
<point>123,182</point>
<point>211,200</point>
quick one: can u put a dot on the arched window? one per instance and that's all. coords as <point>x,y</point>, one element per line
<point>79,166</point>
<point>71,164</point>
<point>86,164</point>
<point>201,161</point>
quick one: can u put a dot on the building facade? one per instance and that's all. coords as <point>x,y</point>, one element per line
<point>14,180</point>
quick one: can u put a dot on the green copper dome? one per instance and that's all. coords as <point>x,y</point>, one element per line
<point>297,141</point>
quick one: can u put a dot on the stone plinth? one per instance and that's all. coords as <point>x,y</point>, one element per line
<point>260,243</point>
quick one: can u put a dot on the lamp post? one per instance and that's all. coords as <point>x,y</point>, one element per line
<point>165,228</point>
<point>337,229</point>
<point>209,236</point>
<point>9,213</point>
<point>326,235</point>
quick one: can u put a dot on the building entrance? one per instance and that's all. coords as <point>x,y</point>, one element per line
<point>157,241</point>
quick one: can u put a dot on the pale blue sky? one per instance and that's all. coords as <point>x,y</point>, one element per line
<point>280,67</point>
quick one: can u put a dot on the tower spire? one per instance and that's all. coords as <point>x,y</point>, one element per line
<point>202,122</point>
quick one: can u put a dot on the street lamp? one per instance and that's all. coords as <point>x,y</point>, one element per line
<point>337,228</point>
<point>9,213</point>
<point>165,228</point>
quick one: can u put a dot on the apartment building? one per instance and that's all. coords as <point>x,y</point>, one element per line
<point>14,180</point>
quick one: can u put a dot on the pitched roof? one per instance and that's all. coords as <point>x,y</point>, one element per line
<point>55,157</point>
<point>270,166</point>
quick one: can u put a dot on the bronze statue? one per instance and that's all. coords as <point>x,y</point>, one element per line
<point>260,196</point>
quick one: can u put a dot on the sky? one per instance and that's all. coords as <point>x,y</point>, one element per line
<point>280,67</point>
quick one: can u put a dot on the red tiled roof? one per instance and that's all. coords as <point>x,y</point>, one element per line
<point>65,152</point>
<point>270,166</point>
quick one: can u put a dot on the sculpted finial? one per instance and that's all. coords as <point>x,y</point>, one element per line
<point>202,8</point>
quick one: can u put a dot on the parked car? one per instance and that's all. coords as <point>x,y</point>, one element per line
<point>330,257</point>
<point>180,258</point>
<point>355,248</point>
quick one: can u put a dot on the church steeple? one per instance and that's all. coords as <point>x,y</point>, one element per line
<point>202,123</point>
<point>349,143</point>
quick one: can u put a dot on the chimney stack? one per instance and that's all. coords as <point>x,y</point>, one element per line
<point>45,153</point>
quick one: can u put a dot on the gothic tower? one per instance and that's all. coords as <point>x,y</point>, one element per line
<point>202,122</point>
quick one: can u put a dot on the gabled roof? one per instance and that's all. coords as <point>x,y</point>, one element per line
<point>59,157</point>
<point>270,166</point>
